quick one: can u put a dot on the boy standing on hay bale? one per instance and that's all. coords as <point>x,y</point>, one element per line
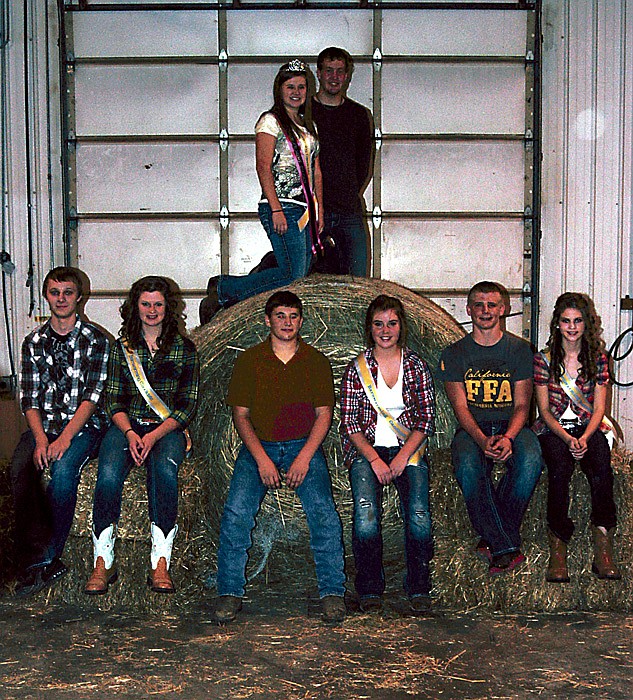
<point>282,396</point>
<point>488,380</point>
<point>63,373</point>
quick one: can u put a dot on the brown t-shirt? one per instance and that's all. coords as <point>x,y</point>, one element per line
<point>281,397</point>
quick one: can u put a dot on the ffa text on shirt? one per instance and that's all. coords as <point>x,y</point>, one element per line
<point>488,388</point>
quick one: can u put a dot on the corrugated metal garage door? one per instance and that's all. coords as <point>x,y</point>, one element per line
<point>161,109</point>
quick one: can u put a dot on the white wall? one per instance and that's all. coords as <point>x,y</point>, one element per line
<point>586,178</point>
<point>587,114</point>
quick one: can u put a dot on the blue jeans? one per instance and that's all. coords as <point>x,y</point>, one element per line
<point>34,518</point>
<point>115,463</point>
<point>349,255</point>
<point>413,490</point>
<point>246,494</point>
<point>293,252</point>
<point>496,512</point>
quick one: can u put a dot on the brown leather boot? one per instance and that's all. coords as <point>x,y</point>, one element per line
<point>101,578</point>
<point>160,580</point>
<point>603,565</point>
<point>557,567</point>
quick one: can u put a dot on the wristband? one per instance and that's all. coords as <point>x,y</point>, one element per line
<point>276,211</point>
<point>128,430</point>
<point>511,439</point>
<point>375,459</point>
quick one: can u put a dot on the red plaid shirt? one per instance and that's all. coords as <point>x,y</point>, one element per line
<point>558,399</point>
<point>358,415</point>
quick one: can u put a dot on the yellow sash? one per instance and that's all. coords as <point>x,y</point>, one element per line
<point>372,394</point>
<point>569,386</point>
<point>152,399</point>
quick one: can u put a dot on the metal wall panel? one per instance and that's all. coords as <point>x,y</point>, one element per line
<point>196,242</point>
<point>146,100</point>
<point>446,252</point>
<point>473,98</point>
<point>136,34</point>
<point>454,33</point>
<point>147,177</point>
<point>450,176</point>
<point>266,34</point>
<point>131,3</point>
<point>247,246</point>
<point>608,137</point>
<point>244,188</point>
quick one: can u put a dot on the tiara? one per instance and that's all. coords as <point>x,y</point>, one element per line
<point>297,66</point>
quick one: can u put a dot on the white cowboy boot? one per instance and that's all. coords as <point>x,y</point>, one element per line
<point>159,579</point>
<point>104,572</point>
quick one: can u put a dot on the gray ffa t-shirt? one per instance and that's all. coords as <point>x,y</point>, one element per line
<point>488,373</point>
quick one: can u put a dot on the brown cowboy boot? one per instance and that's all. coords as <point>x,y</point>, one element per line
<point>105,571</point>
<point>603,565</point>
<point>557,567</point>
<point>159,579</point>
<point>100,579</point>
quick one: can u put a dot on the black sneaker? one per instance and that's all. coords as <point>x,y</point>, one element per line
<point>41,577</point>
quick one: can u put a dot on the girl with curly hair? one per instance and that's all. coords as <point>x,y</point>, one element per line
<point>151,395</point>
<point>571,380</point>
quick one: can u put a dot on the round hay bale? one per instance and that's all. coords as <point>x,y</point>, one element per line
<point>334,311</point>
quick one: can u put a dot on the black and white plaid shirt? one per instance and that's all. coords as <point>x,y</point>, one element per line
<point>56,377</point>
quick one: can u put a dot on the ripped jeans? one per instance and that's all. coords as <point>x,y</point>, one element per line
<point>413,490</point>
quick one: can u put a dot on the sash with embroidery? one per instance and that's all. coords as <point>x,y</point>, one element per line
<point>364,374</point>
<point>569,386</point>
<point>152,399</point>
<point>309,217</point>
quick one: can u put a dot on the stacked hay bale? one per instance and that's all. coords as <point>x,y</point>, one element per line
<point>462,581</point>
<point>334,310</point>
